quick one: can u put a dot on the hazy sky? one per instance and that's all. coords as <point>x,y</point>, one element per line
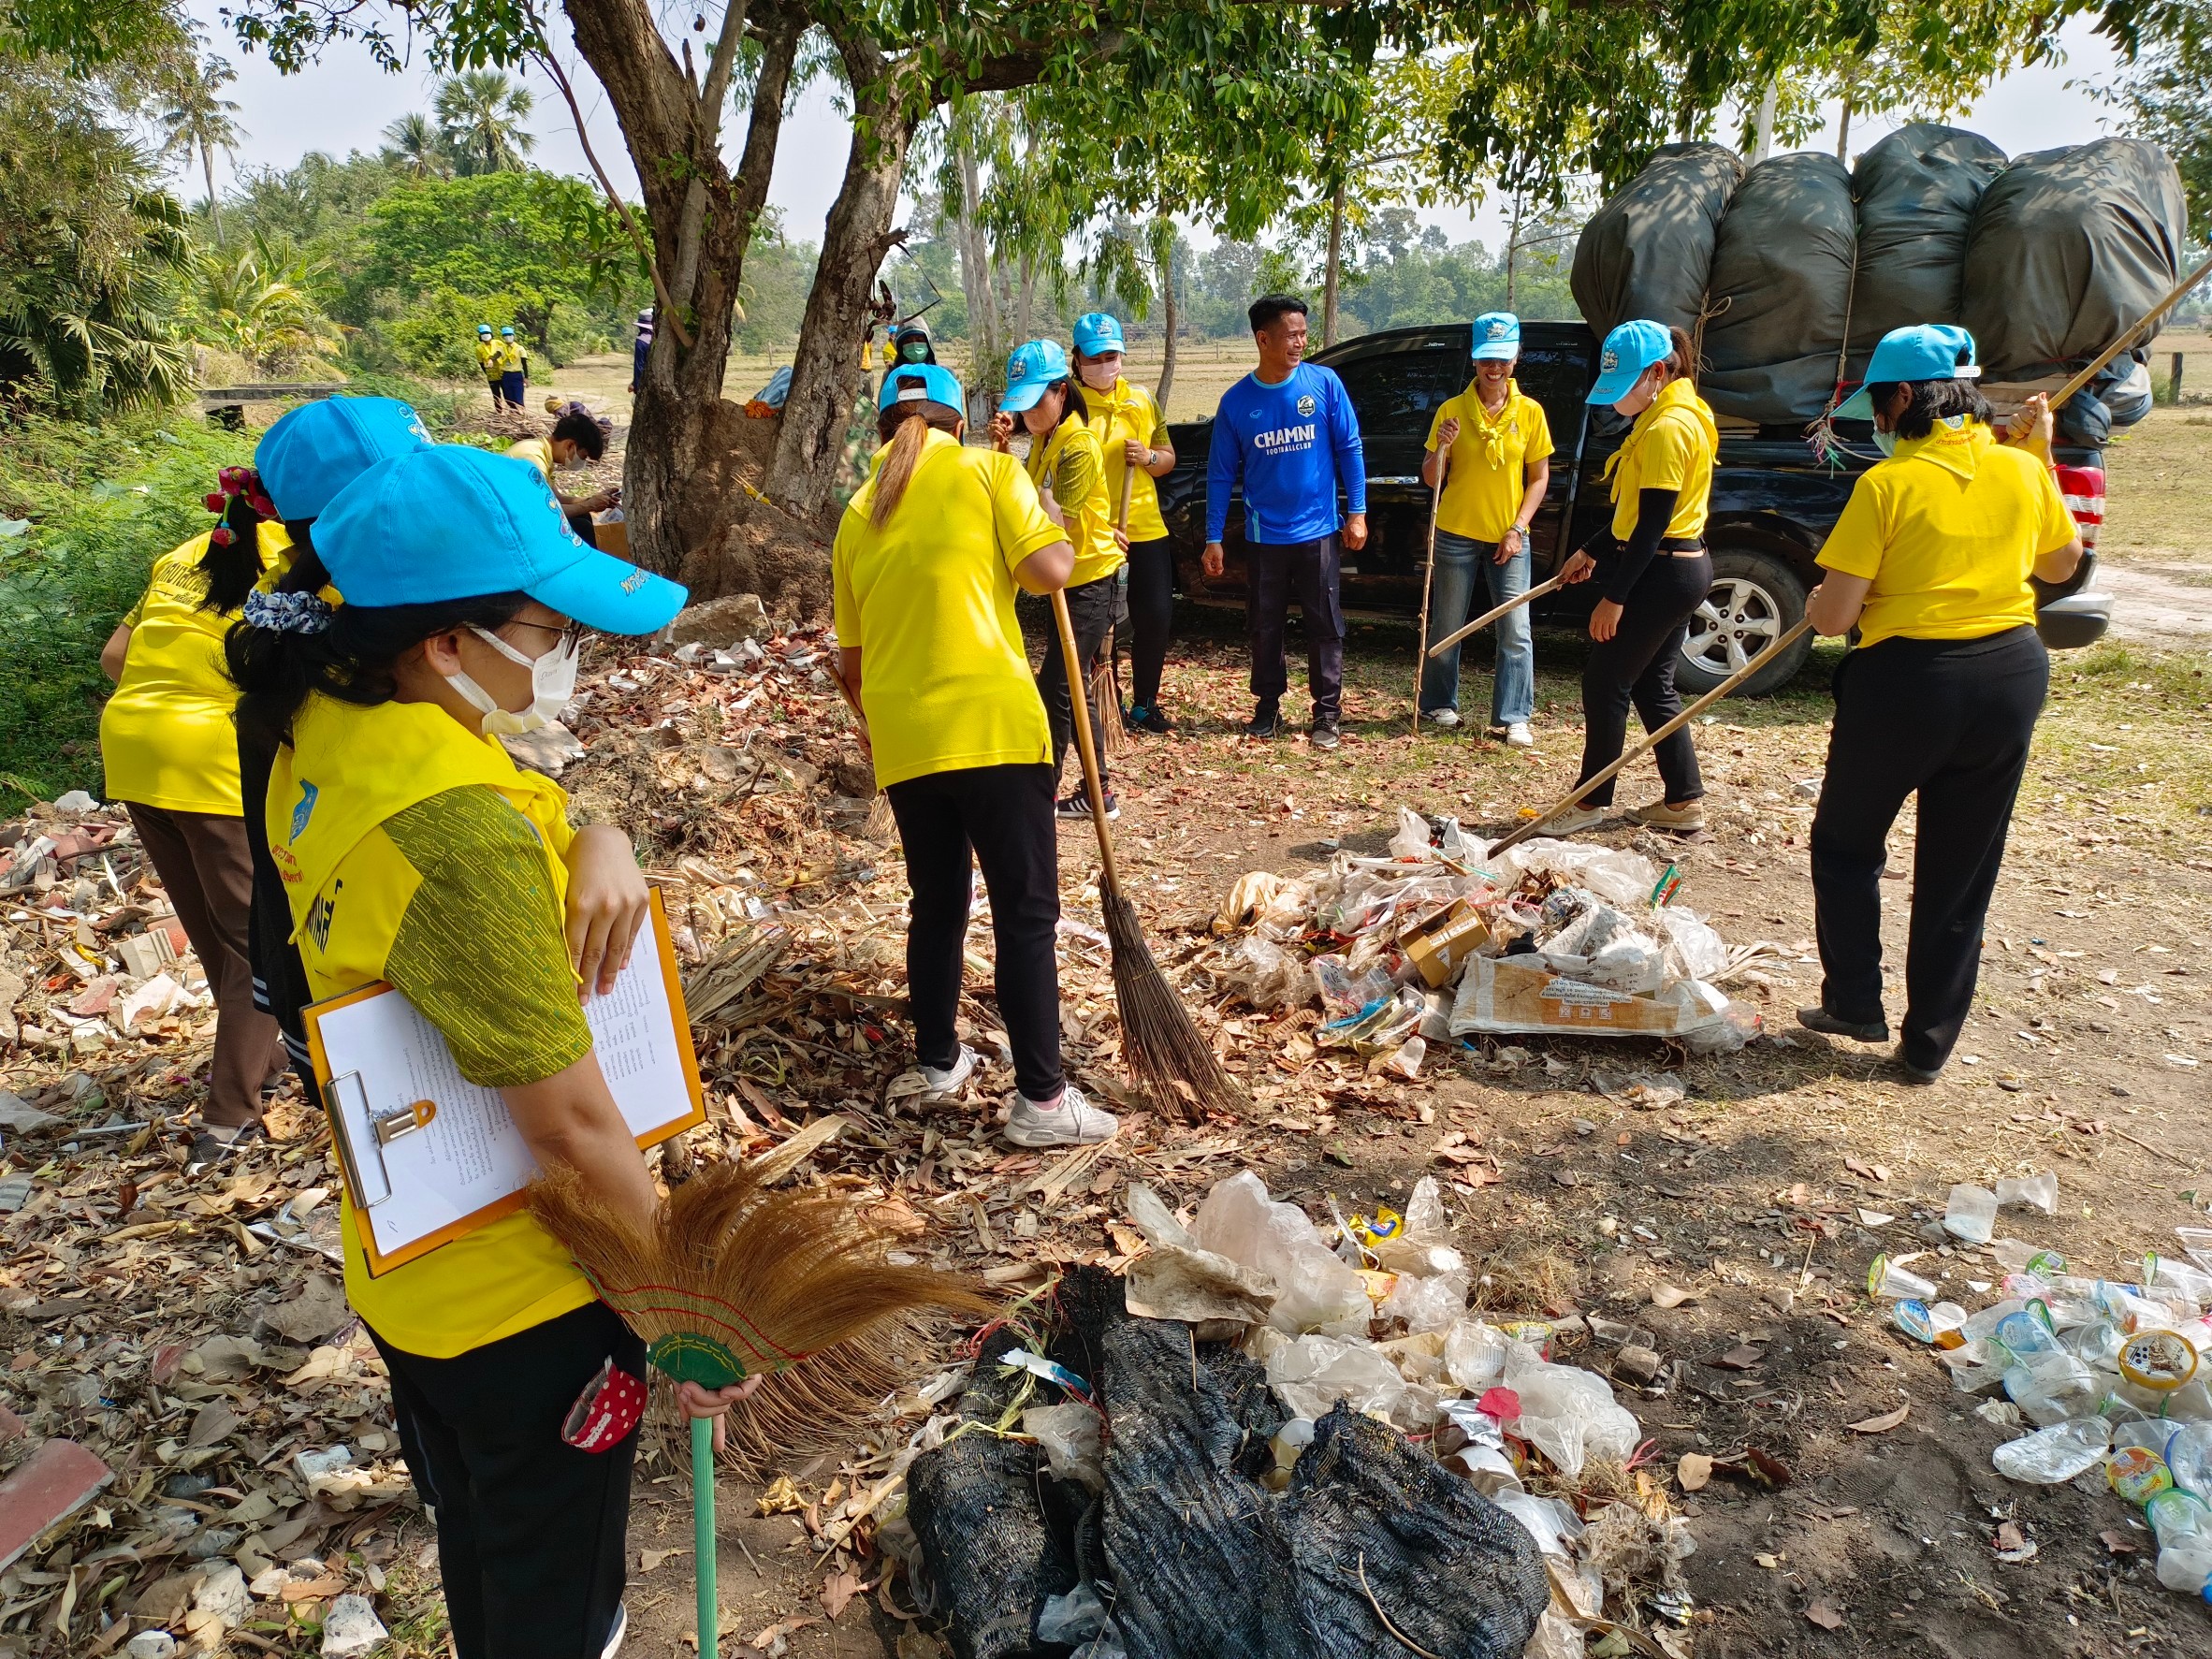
<point>344,102</point>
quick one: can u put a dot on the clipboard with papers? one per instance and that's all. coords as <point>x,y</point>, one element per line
<point>428,1156</point>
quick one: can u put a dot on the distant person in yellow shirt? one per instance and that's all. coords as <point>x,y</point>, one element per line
<point>1069,470</point>
<point>1931,562</point>
<point>514,369</point>
<point>1494,447</point>
<point>579,439</point>
<point>927,558</point>
<point>491,362</point>
<point>1134,437</point>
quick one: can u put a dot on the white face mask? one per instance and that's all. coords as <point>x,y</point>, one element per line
<point>552,685</point>
<point>1100,377</point>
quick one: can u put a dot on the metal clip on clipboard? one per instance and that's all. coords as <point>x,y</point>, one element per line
<point>392,1123</point>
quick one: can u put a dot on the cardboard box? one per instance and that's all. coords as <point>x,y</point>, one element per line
<point>1439,946</point>
<point>1513,994</point>
<point>613,536</point>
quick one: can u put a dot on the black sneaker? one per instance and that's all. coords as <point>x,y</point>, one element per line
<point>214,1142</point>
<point>1079,806</point>
<point>1323,734</point>
<point>1147,720</point>
<point>1267,719</point>
<point>1819,1019</point>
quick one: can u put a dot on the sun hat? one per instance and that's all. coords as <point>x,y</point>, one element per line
<point>450,522</point>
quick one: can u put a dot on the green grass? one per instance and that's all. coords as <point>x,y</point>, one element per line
<point>102,503</point>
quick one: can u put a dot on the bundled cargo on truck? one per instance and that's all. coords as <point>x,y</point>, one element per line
<point>1779,286</point>
<point>1645,252</point>
<point>1916,191</point>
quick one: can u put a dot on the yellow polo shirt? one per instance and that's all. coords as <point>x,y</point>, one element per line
<point>1947,530</point>
<point>1670,446</point>
<point>166,735</point>
<point>1485,477</point>
<point>538,452</point>
<point>928,600</point>
<point>1069,464</point>
<point>491,359</point>
<point>1127,414</point>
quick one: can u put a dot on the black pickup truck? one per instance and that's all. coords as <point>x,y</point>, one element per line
<point>1773,503</point>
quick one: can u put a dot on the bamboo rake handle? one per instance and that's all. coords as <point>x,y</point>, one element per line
<point>1428,583</point>
<point>703,1536</point>
<point>2172,298</point>
<point>1080,710</point>
<point>1669,730</point>
<point>1489,616</point>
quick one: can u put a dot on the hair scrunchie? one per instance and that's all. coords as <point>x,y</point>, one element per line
<point>231,484</point>
<point>287,613</point>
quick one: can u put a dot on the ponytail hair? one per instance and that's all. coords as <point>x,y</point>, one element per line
<point>1680,364</point>
<point>289,648</point>
<point>232,563</point>
<point>903,425</point>
<point>306,574</point>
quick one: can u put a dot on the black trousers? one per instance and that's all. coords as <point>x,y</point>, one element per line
<point>532,1532</point>
<point>1951,720</point>
<point>1637,665</point>
<point>1090,613</point>
<point>1002,818</point>
<point>1152,618</point>
<point>1311,572</point>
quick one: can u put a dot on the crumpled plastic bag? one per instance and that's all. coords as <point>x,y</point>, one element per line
<point>1267,976</point>
<point>1075,1617</point>
<point>1287,913</point>
<point>1600,945</point>
<point>1314,1290</point>
<point>1412,838</point>
<point>1069,1437</point>
<point>1431,1304</point>
<point>1694,950</point>
<point>1253,892</point>
<point>1566,1413</point>
<point>1313,1373</point>
<point>1623,879</point>
<point>1474,1355</point>
<point>1176,1279</point>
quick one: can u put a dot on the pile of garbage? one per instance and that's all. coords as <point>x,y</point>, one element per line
<point>1184,1453</point>
<point>2108,1372</point>
<point>1431,945</point>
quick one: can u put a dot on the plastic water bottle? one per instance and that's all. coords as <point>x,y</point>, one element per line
<point>2182,1524</point>
<point>2188,1454</point>
<point>1972,1213</point>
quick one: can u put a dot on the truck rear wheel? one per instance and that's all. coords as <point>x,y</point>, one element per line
<point>1755,598</point>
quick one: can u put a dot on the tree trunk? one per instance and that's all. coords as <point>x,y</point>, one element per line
<point>1026,298</point>
<point>1763,130</point>
<point>1512,248</point>
<point>985,345</point>
<point>1331,274</point>
<point>207,165</point>
<point>1164,245</point>
<point>1844,123</point>
<point>826,371</point>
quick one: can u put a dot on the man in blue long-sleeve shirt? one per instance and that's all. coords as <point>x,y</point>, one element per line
<point>1289,430</point>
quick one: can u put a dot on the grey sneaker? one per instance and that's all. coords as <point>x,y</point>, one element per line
<point>1070,1121</point>
<point>621,1629</point>
<point>1324,735</point>
<point>942,1084</point>
<point>1575,820</point>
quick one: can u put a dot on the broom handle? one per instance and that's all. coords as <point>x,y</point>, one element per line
<point>1080,707</point>
<point>703,1540</point>
<point>1420,662</point>
<point>1669,730</point>
<point>2127,338</point>
<point>1491,615</point>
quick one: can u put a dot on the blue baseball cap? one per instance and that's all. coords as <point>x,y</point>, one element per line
<point>929,382</point>
<point>1925,351</point>
<point>1095,334</point>
<point>1033,367</point>
<point>454,522</point>
<point>1628,351</point>
<point>507,333</point>
<point>1497,336</point>
<point>484,327</point>
<point>314,451</point>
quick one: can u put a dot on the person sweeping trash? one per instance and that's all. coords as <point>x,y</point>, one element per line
<point>1289,432</point>
<point>1654,569</point>
<point>1133,436</point>
<point>1069,470</point>
<point>1490,447</point>
<point>924,569</point>
<point>491,362</point>
<point>412,851</point>
<point>514,369</point>
<point>1930,562</point>
<point>578,438</point>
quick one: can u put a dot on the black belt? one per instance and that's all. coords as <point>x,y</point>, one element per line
<point>1682,545</point>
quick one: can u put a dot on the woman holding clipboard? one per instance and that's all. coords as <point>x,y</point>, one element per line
<point>412,851</point>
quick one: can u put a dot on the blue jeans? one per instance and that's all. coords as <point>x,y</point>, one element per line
<point>1513,690</point>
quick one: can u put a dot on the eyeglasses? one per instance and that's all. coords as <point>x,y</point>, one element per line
<point>572,632</point>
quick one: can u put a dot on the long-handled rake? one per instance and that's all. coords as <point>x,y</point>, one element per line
<point>1421,662</point>
<point>731,1280</point>
<point>1484,620</point>
<point>1170,1060</point>
<point>1106,677</point>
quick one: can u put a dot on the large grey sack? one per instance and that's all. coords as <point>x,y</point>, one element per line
<point>1917,190</point>
<point>1645,253</point>
<point>1782,273</point>
<point>2069,248</point>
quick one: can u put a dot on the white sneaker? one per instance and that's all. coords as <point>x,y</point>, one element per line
<point>1520,737</point>
<point>1446,718</point>
<point>1577,819</point>
<point>1070,1121</point>
<point>942,1084</point>
<point>614,1636</point>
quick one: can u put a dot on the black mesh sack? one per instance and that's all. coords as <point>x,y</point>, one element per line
<point>1917,190</point>
<point>1781,271</point>
<point>1644,253</point>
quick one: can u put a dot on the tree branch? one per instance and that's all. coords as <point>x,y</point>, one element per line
<point>719,71</point>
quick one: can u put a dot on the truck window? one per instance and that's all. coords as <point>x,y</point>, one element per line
<point>1397,396</point>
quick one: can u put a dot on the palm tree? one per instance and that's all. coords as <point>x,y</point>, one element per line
<point>195,119</point>
<point>480,114</point>
<point>415,147</point>
<point>260,303</point>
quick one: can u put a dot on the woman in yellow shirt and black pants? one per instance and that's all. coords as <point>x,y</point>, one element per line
<point>1068,469</point>
<point>1931,563</point>
<point>927,558</point>
<point>1654,568</point>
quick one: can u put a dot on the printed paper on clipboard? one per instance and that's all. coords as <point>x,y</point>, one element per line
<point>429,1156</point>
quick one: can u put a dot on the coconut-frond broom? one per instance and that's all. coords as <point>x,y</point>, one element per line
<point>730,1279</point>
